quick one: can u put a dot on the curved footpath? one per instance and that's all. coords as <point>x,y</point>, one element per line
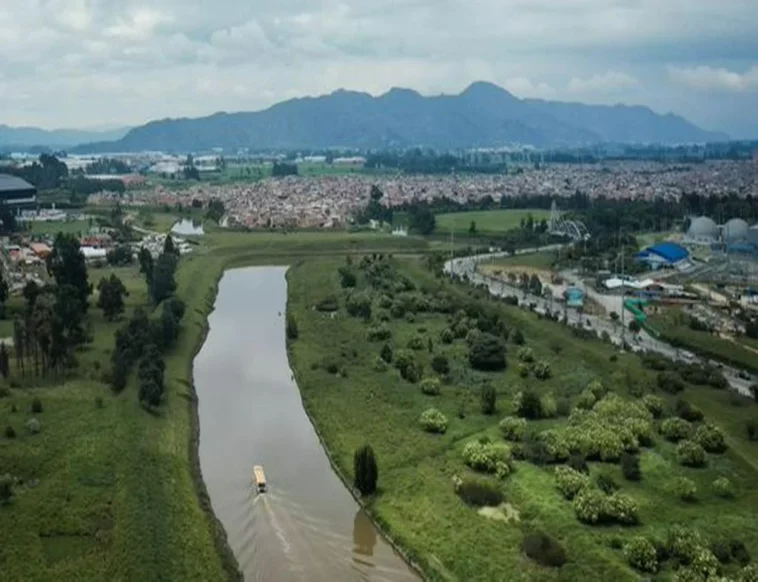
<point>466,267</point>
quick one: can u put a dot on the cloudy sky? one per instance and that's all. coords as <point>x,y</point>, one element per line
<point>93,63</point>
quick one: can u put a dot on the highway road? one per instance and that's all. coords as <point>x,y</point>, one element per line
<point>465,267</point>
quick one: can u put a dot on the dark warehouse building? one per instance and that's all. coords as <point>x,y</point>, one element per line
<point>17,193</point>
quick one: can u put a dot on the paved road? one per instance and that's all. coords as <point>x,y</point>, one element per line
<point>466,267</point>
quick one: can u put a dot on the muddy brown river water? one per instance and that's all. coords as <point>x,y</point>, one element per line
<point>308,526</point>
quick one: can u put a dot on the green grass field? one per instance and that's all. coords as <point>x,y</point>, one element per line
<point>544,260</point>
<point>416,502</point>
<point>487,221</point>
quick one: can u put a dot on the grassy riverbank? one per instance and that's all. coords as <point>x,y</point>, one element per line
<point>352,402</point>
<point>111,492</point>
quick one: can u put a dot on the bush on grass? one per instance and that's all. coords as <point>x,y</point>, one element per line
<point>440,364</point>
<point>655,404</point>
<point>386,353</point>
<point>630,467</point>
<point>380,365</point>
<point>555,445</point>
<point>513,428</point>
<point>528,404</point>
<point>6,489</point>
<point>598,389</point>
<point>10,432</point>
<point>447,336</point>
<point>690,454</point>
<point>710,437</point>
<point>578,463</point>
<point>36,406</point>
<point>723,488</point>
<point>488,399</point>
<point>675,429</point>
<point>432,420</point>
<point>365,470</point>
<point>487,354</point>
<point>586,400</point>
<point>549,409</point>
<point>486,457</point>
<point>33,426</point>
<point>430,386</point>
<point>525,354</point>
<point>641,554</point>
<point>685,489</point>
<point>479,492</point>
<point>751,428</point>
<point>544,549</point>
<point>670,382</point>
<point>569,481</point>
<point>416,343</point>
<point>590,506</point>
<point>687,411</point>
<point>378,333</point>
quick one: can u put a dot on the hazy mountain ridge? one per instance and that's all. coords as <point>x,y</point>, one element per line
<point>24,137</point>
<point>483,115</point>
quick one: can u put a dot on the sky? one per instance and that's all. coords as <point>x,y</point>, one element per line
<point>105,63</point>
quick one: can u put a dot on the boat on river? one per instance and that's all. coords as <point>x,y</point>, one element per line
<point>259,478</point>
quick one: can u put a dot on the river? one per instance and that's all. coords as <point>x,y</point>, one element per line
<point>308,526</point>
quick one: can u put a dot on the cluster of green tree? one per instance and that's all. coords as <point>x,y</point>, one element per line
<point>79,187</point>
<point>48,173</point>
<point>8,224</point>
<point>215,210</point>
<point>103,166</point>
<point>375,210</point>
<point>144,341</point>
<point>189,170</point>
<point>53,323</point>
<point>280,169</point>
<point>416,161</point>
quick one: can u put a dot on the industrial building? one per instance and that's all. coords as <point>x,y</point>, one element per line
<point>17,193</point>
<point>664,254</point>
<point>702,231</point>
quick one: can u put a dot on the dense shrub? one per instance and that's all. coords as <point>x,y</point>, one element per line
<point>386,353</point>
<point>670,382</point>
<point>687,411</point>
<point>430,386</point>
<point>590,506</point>
<point>291,327</point>
<point>446,337</point>
<point>382,315</point>
<point>377,333</point>
<point>513,429</point>
<point>586,400</point>
<point>598,389</point>
<point>10,433</point>
<point>690,454</point>
<point>33,426</point>
<point>606,483</point>
<point>555,445</point>
<point>432,420</point>
<point>528,404</point>
<point>542,370</point>
<point>544,549</point>
<point>365,470</point>
<point>416,343</point>
<point>488,398</point>
<point>409,368</point>
<point>630,467</point>
<point>358,304</point>
<point>675,429</point>
<point>486,457</point>
<point>751,428</point>
<point>623,509</point>
<point>516,336</point>
<point>440,364</point>
<point>479,492</point>
<point>655,404</point>
<point>460,330</point>
<point>739,553</point>
<point>710,437</point>
<point>36,406</point>
<point>328,304</point>
<point>6,489</point>
<point>563,407</point>
<point>723,487</point>
<point>525,354</point>
<point>524,370</point>
<point>641,554</point>
<point>380,365</point>
<point>549,409</point>
<point>487,353</point>
<point>683,543</point>
<point>473,336</point>
<point>685,489</point>
<point>569,481</point>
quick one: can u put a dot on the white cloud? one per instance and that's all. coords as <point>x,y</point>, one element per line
<point>608,82</point>
<point>705,78</point>
<point>94,62</point>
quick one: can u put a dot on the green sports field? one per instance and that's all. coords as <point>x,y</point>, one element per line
<point>487,221</point>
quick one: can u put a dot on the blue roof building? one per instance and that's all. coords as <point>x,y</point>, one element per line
<point>574,297</point>
<point>664,254</point>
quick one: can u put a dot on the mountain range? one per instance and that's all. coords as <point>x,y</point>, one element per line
<point>483,115</point>
<point>26,137</point>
